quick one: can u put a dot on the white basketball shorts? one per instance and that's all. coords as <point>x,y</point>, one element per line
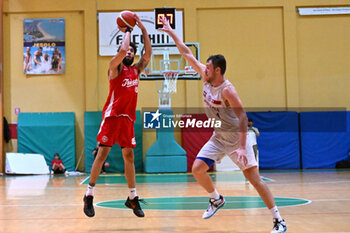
<point>215,150</point>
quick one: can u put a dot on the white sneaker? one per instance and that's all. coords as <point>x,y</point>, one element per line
<point>279,226</point>
<point>214,205</point>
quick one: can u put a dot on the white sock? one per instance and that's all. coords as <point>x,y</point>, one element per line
<point>132,193</point>
<point>275,213</point>
<point>90,190</point>
<point>215,195</point>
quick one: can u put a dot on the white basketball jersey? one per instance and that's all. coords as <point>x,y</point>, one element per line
<point>216,108</point>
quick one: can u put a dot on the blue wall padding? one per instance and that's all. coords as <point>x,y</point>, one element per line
<point>115,157</point>
<point>325,138</point>
<point>278,143</point>
<point>166,164</point>
<point>47,134</point>
<point>165,155</point>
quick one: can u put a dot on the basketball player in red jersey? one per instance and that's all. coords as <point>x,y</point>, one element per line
<point>118,117</point>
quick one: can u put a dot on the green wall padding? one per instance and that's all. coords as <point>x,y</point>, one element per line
<point>47,134</point>
<point>115,158</point>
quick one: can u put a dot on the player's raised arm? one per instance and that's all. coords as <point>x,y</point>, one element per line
<point>184,50</point>
<point>230,94</point>
<point>118,58</point>
<point>141,65</point>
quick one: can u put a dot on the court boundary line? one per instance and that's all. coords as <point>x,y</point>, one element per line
<point>82,182</point>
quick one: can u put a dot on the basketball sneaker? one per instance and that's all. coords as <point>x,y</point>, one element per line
<point>214,205</point>
<point>279,226</point>
<point>89,206</point>
<point>135,206</point>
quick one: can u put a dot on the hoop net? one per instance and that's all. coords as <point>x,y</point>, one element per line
<point>170,80</point>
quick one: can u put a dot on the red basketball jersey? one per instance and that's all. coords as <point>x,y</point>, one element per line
<point>122,98</point>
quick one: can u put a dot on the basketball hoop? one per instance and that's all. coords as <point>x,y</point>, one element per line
<point>170,80</point>
<point>167,87</point>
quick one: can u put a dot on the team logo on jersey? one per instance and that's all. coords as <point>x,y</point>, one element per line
<point>129,83</point>
<point>217,102</point>
<point>209,98</point>
<point>104,139</point>
<point>133,141</point>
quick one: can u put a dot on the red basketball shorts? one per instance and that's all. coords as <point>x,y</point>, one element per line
<point>119,130</point>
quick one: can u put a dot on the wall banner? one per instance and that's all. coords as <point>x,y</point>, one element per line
<point>110,37</point>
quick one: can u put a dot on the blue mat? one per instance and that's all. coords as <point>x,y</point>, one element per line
<point>115,157</point>
<point>47,134</point>
<point>278,142</point>
<point>325,138</point>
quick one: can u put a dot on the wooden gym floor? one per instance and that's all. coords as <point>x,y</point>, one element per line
<point>310,201</point>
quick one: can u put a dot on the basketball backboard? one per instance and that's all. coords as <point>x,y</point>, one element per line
<point>166,57</point>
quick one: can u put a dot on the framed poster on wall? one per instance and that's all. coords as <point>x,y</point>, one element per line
<point>44,46</point>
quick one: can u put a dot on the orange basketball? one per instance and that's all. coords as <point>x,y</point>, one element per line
<point>126,19</point>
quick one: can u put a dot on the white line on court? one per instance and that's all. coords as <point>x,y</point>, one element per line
<point>273,182</point>
<point>85,180</point>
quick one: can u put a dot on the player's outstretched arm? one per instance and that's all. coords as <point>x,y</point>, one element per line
<point>230,94</point>
<point>141,65</point>
<point>118,58</point>
<point>184,50</point>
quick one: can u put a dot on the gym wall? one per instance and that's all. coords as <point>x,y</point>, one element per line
<point>1,101</point>
<point>73,91</point>
<point>276,58</point>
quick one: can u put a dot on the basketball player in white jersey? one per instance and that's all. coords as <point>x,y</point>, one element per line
<point>222,103</point>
